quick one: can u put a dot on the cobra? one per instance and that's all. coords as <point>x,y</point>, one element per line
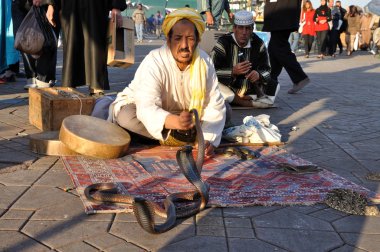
<point>145,210</point>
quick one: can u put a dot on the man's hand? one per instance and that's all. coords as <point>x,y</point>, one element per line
<point>231,17</point>
<point>209,149</point>
<point>116,16</point>
<point>183,121</point>
<point>50,15</point>
<point>253,76</point>
<point>37,2</point>
<point>241,68</point>
<point>209,18</point>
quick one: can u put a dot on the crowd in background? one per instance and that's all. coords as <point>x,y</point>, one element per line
<point>330,26</point>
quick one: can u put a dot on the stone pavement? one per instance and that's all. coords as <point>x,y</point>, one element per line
<point>339,129</point>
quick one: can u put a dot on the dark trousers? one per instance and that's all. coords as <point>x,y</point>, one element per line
<point>281,56</point>
<point>321,41</point>
<point>44,67</point>
<point>85,26</point>
<point>308,42</point>
<point>334,37</point>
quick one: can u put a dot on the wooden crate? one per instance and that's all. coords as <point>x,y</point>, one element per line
<point>49,106</point>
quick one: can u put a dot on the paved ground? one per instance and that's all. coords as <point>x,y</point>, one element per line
<point>339,129</point>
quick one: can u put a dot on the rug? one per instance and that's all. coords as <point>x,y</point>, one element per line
<point>153,173</point>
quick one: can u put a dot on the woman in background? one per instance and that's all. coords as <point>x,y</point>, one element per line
<point>308,30</point>
<point>321,17</point>
<point>353,27</point>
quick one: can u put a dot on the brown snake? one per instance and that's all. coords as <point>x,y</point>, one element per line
<point>145,210</point>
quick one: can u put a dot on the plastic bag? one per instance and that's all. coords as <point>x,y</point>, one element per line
<point>356,41</point>
<point>35,34</point>
<point>29,37</point>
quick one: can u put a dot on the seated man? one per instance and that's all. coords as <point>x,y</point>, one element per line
<point>242,65</point>
<point>171,81</point>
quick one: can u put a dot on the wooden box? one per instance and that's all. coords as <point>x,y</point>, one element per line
<point>49,106</point>
<point>121,44</point>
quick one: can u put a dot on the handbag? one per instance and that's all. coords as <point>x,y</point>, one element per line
<point>300,29</point>
<point>302,24</point>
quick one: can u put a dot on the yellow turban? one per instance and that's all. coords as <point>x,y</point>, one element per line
<point>183,13</point>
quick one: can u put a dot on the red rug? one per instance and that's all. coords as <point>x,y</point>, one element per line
<point>153,174</point>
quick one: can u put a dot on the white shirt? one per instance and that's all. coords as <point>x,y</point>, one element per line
<point>160,88</point>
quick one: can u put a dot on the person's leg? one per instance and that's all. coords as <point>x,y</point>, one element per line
<point>94,18</point>
<point>307,45</point>
<point>127,119</point>
<point>18,16</point>
<point>281,56</point>
<point>137,26</point>
<point>324,41</point>
<point>339,42</point>
<point>319,43</point>
<point>73,69</point>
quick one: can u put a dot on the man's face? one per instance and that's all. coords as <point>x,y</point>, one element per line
<point>331,3</point>
<point>183,42</point>
<point>337,4</point>
<point>243,34</point>
<point>139,7</point>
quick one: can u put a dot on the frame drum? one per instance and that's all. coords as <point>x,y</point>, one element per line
<point>48,143</point>
<point>94,137</point>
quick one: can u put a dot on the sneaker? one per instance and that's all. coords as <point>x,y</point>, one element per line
<point>38,84</point>
<point>297,87</point>
<point>260,104</point>
<point>265,99</point>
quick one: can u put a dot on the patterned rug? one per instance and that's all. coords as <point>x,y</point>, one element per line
<point>153,174</point>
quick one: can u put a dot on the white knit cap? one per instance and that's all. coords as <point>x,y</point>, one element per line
<point>243,17</point>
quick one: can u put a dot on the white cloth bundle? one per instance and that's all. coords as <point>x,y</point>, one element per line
<point>256,129</point>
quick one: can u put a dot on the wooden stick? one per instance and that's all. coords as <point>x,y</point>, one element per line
<point>252,144</point>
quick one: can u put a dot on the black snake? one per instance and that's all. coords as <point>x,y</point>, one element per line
<point>145,210</point>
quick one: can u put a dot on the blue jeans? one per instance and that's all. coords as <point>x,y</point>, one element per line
<point>293,41</point>
<point>139,31</point>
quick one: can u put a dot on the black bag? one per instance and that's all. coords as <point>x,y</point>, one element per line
<point>35,34</point>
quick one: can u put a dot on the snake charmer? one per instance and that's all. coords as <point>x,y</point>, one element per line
<point>169,83</point>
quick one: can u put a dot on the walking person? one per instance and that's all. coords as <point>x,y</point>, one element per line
<point>280,19</point>
<point>365,30</point>
<point>139,18</point>
<point>334,32</point>
<point>158,23</point>
<point>343,27</point>
<point>308,29</point>
<point>321,17</point>
<point>353,27</point>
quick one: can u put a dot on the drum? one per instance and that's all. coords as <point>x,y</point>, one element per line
<point>94,137</point>
<point>48,143</point>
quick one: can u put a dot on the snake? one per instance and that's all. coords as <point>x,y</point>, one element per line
<point>145,210</point>
<point>241,153</point>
